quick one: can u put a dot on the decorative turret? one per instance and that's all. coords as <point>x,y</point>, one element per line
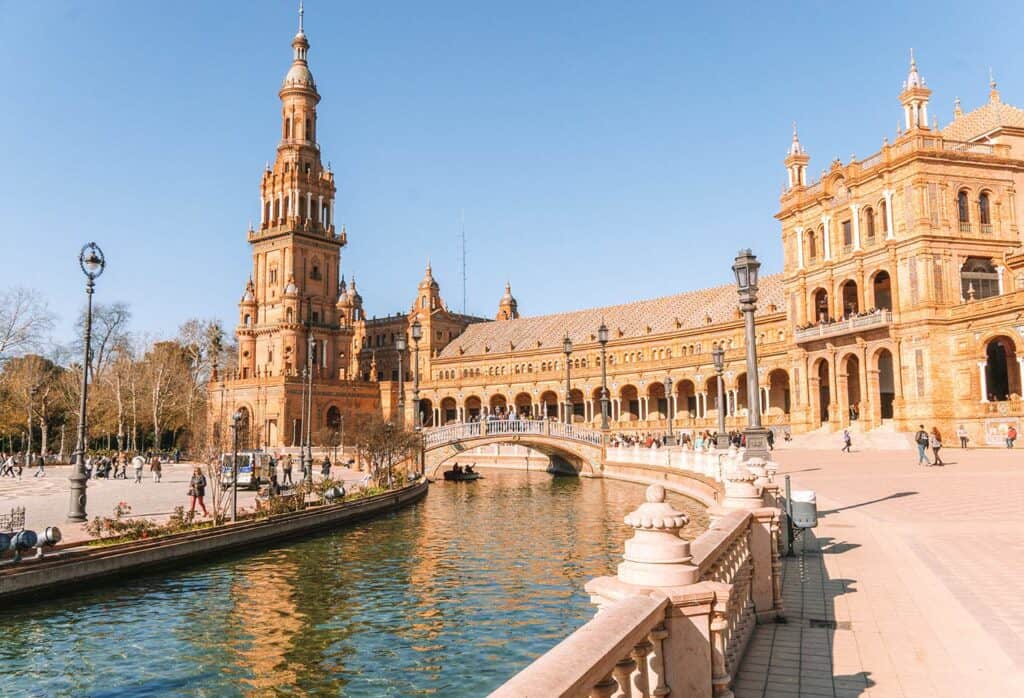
<point>428,297</point>
<point>796,162</point>
<point>508,308</point>
<point>914,98</point>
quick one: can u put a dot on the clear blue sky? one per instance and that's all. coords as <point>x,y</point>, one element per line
<point>602,151</point>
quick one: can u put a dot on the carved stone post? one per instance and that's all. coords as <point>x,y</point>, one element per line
<point>720,678</point>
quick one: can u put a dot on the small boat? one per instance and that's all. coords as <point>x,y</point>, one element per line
<point>451,475</point>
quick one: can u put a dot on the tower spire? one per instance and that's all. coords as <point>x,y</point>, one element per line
<point>914,98</point>
<point>796,162</point>
<point>993,92</point>
<point>301,12</point>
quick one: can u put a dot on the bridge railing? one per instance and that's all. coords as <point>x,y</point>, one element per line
<point>710,463</point>
<point>453,433</point>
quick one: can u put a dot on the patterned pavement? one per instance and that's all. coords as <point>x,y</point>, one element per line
<point>908,587</point>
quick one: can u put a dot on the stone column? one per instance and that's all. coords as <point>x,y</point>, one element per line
<point>983,380</point>
<point>890,233</point>
<point>826,222</point>
<point>855,209</point>
<point>799,248</point>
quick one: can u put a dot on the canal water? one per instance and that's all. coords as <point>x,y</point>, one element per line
<point>448,598</point>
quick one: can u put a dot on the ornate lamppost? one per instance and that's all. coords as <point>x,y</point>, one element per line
<point>92,261</point>
<point>567,349</point>
<point>718,356</point>
<point>745,268</point>
<point>668,405</point>
<point>400,345</point>
<point>307,450</point>
<point>602,339</point>
<point>417,334</point>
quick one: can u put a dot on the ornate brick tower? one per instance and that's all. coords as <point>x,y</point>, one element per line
<point>294,308</point>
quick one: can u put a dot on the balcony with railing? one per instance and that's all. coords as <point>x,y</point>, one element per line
<point>857,323</point>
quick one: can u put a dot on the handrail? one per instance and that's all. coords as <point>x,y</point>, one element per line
<point>599,655</point>
<point>451,433</point>
<point>851,324</point>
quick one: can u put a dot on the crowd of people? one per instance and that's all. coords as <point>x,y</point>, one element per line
<point>824,320</point>
<point>700,441</point>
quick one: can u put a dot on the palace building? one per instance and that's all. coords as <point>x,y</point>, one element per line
<point>900,302</point>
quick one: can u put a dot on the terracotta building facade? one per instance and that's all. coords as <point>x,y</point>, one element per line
<point>900,302</point>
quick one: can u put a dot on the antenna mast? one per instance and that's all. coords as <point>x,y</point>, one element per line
<point>462,217</point>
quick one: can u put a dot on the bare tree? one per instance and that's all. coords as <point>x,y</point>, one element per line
<point>164,370</point>
<point>25,322</point>
<point>383,446</point>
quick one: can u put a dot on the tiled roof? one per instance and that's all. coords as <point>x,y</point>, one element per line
<point>669,314</point>
<point>982,120</point>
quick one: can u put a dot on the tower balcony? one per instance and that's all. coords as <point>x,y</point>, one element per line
<point>292,224</point>
<point>850,325</point>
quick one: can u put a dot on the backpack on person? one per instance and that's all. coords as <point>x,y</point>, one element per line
<point>922,438</point>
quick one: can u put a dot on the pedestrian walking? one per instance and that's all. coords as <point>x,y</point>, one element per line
<point>771,440</point>
<point>40,467</point>
<point>922,441</point>
<point>287,479</point>
<point>138,463</point>
<point>8,467</point>
<point>847,440</point>
<point>155,468</point>
<point>962,435</point>
<point>935,441</point>
<point>325,469</point>
<point>197,490</point>
<point>1011,436</point>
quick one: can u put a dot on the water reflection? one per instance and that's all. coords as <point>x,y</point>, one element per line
<point>449,597</point>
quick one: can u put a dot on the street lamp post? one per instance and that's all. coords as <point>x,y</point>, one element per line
<point>668,406</point>
<point>718,356</point>
<point>417,334</point>
<point>567,348</point>
<point>235,419</point>
<point>602,338</point>
<point>745,268</point>
<point>92,262</point>
<point>307,451</point>
<point>400,345</point>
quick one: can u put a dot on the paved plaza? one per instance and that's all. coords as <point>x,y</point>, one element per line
<point>46,499</point>
<point>910,585</point>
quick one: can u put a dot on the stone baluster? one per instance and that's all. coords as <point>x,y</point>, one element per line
<point>720,678</point>
<point>656,661</point>
<point>605,688</point>
<point>640,680</point>
<point>623,672</point>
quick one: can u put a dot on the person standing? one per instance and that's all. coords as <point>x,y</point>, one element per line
<point>922,441</point>
<point>935,441</point>
<point>287,467</point>
<point>155,468</point>
<point>847,440</point>
<point>1011,436</point>
<point>325,469</point>
<point>962,435</point>
<point>40,466</point>
<point>138,463</point>
<point>197,490</point>
<point>771,440</point>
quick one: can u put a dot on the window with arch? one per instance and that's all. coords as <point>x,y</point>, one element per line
<point>812,245</point>
<point>883,212</point>
<point>288,128</point>
<point>309,136</point>
<point>962,211</point>
<point>984,212</point>
<point>869,225</point>
<point>978,279</point>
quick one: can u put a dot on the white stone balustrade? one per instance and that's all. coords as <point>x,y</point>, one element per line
<point>463,431</point>
<point>677,617</point>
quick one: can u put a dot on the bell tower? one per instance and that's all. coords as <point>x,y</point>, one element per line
<point>914,98</point>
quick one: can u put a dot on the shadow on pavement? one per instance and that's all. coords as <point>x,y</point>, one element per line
<point>895,495</point>
<point>796,657</point>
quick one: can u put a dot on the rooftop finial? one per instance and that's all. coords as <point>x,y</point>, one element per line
<point>913,63</point>
<point>957,111</point>
<point>301,12</point>
<point>991,78</point>
<point>993,93</point>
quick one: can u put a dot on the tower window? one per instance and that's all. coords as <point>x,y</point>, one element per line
<point>962,214</point>
<point>287,128</point>
<point>316,316</point>
<point>984,212</point>
<point>309,137</point>
<point>847,234</point>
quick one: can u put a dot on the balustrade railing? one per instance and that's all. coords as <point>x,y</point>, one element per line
<point>620,653</point>
<point>852,324</point>
<point>452,433</point>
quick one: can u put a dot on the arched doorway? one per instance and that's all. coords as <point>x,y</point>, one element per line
<point>657,405</point>
<point>851,368</point>
<point>778,390</point>
<point>524,405</point>
<point>473,408</point>
<point>449,410</point>
<point>886,383</point>
<point>848,292</point>
<point>1002,372</point>
<point>498,405</point>
<point>823,389</point>
<point>629,404</point>
<point>576,406</point>
<point>426,413</point>
<point>819,302</point>
<point>711,398</point>
<point>549,404</point>
<point>686,400</point>
<point>882,290</point>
